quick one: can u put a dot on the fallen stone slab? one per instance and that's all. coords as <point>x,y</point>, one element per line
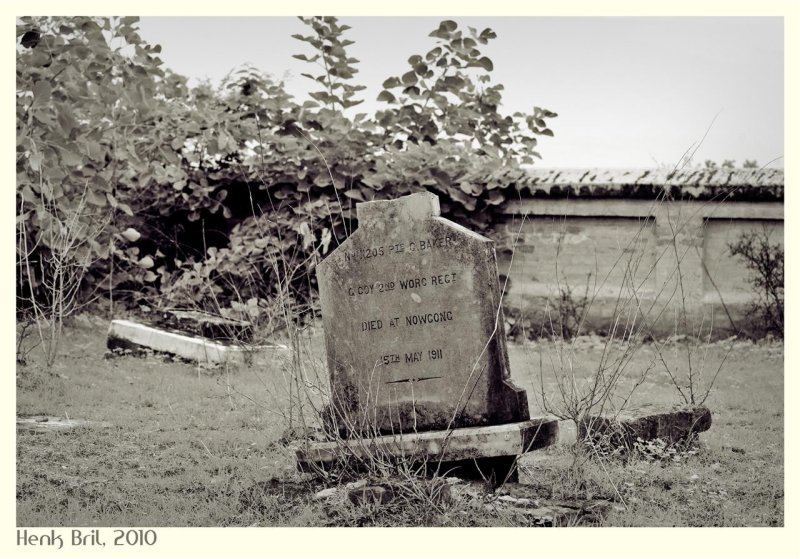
<point>206,325</point>
<point>49,423</point>
<point>672,426</point>
<point>126,334</point>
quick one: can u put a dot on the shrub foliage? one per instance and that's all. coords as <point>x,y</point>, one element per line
<point>764,259</point>
<point>229,195</point>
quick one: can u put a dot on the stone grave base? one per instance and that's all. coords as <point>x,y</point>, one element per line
<point>125,334</point>
<point>488,452</point>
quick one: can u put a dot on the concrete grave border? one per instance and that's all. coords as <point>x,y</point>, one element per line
<point>127,334</point>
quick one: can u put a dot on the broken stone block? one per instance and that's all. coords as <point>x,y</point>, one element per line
<point>669,425</point>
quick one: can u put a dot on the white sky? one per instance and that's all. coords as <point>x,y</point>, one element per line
<point>630,91</point>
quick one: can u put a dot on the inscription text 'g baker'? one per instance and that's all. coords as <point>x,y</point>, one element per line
<point>417,245</point>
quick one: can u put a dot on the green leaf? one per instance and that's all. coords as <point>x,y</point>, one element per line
<point>70,159</point>
<point>125,208</point>
<point>323,179</point>
<point>41,92</point>
<point>485,63</point>
<point>495,198</point>
<point>96,151</point>
<point>392,82</point>
<point>354,194</point>
<point>445,29</point>
<point>66,121</point>
<point>95,199</point>
<point>35,160</point>
<point>488,34</point>
<point>409,78</point>
<point>320,79</point>
<point>386,96</point>
<point>454,82</point>
<point>433,54</point>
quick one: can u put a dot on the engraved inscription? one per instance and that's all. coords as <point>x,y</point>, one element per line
<point>417,245</point>
<point>436,280</point>
<point>429,318</point>
<point>413,320</point>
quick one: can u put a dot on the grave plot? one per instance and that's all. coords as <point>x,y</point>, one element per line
<point>415,346</point>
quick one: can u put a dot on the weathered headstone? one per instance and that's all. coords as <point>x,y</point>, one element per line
<point>411,308</point>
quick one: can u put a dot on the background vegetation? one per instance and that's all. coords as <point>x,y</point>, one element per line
<point>135,187</point>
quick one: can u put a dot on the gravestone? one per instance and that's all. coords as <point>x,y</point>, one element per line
<point>411,307</point>
<point>413,330</point>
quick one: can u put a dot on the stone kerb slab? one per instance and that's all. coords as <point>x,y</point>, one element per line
<point>413,324</point>
<point>126,334</point>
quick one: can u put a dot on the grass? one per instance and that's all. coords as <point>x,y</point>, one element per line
<point>174,444</point>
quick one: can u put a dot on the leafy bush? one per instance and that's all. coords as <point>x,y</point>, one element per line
<point>98,118</point>
<point>235,192</point>
<point>764,259</point>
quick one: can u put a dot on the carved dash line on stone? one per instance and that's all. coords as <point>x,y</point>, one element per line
<point>415,379</point>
